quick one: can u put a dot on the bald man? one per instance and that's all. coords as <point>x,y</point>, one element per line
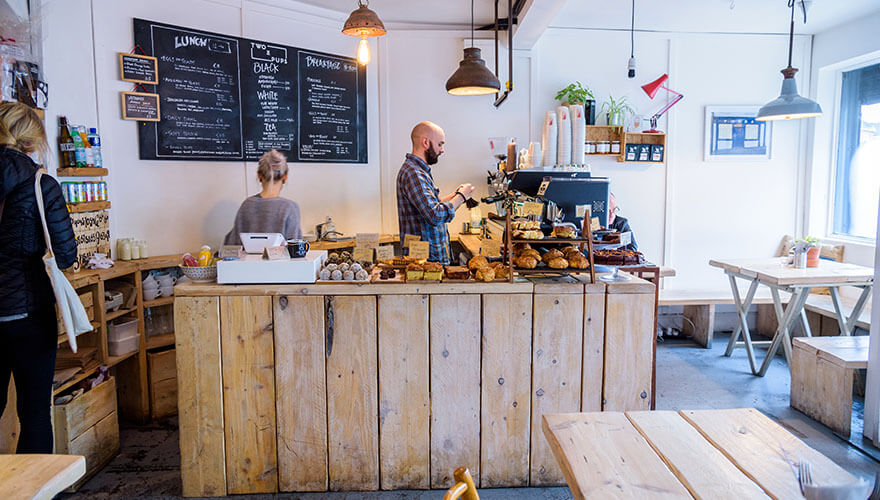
<point>420,209</point>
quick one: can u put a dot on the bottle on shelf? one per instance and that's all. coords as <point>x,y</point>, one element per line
<point>95,142</point>
<point>90,157</point>
<point>79,149</point>
<point>66,148</point>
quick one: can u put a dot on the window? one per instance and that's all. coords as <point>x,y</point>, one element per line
<point>857,177</point>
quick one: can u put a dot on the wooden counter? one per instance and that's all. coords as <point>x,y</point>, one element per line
<point>347,387</point>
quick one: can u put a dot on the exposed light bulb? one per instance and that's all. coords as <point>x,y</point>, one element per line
<point>631,67</point>
<point>363,55</point>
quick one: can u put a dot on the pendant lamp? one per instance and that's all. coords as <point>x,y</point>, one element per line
<point>363,23</point>
<point>472,76</point>
<point>789,105</point>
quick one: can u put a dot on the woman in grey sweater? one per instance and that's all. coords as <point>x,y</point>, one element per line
<point>267,212</point>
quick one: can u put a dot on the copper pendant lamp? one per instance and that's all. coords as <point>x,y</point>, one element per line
<point>472,76</point>
<point>363,23</point>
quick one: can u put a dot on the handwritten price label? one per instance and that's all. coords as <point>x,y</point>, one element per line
<point>362,254</point>
<point>367,240</point>
<point>419,250</point>
<point>385,252</point>
<point>409,238</point>
<point>533,208</point>
<point>276,253</point>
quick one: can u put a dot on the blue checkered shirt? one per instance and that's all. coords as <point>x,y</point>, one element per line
<point>419,209</point>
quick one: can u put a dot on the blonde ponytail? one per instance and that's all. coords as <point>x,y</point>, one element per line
<point>272,167</point>
<point>21,128</point>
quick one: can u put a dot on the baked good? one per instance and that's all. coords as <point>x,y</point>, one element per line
<point>568,252</point>
<point>414,272</point>
<point>558,263</point>
<point>578,261</point>
<point>324,274</point>
<point>519,247</point>
<point>551,254</point>
<point>526,262</point>
<point>362,275</point>
<point>618,257</point>
<point>529,234</point>
<point>387,274</point>
<point>611,238</point>
<point>355,267</point>
<point>564,231</point>
<point>486,274</point>
<point>531,252</point>
<point>526,225</point>
<point>502,273</point>
<point>457,273</point>
<point>433,271</point>
<point>477,262</point>
<point>336,275</point>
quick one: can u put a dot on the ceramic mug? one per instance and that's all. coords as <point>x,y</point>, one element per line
<point>151,293</point>
<point>297,248</point>
<point>167,291</point>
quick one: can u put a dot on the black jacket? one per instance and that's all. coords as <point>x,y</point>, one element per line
<point>621,225</point>
<point>24,284</point>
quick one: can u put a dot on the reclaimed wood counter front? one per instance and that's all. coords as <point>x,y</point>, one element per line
<point>393,386</point>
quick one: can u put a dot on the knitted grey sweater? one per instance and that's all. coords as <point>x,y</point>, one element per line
<point>265,215</point>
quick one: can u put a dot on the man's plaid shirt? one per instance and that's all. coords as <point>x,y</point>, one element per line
<point>419,209</point>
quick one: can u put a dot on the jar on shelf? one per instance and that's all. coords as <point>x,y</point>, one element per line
<point>615,147</point>
<point>603,147</point>
<point>590,147</point>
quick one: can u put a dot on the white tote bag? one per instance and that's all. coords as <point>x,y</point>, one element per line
<point>73,314</point>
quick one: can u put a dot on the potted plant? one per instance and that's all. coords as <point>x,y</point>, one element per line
<point>812,251</point>
<point>575,93</point>
<point>616,110</point>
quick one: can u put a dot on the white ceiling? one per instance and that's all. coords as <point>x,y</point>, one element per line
<point>747,16</point>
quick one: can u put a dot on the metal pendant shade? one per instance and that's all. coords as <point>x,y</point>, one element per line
<point>363,22</point>
<point>472,76</point>
<point>790,105</point>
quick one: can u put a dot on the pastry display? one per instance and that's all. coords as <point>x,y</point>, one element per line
<point>569,252</point>
<point>531,252</point>
<point>551,254</point>
<point>525,225</point>
<point>433,271</point>
<point>414,272</point>
<point>519,247</point>
<point>502,272</point>
<point>578,261</point>
<point>618,257</point>
<point>458,273</point>
<point>477,262</point>
<point>485,274</point>
<point>557,263</point>
<point>528,235</point>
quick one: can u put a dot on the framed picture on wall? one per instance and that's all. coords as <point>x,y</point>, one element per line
<point>733,134</point>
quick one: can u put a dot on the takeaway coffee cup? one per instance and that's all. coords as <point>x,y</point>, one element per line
<point>297,248</point>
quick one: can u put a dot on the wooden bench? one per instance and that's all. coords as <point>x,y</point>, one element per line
<point>699,308</point>
<point>822,377</point>
<point>38,477</point>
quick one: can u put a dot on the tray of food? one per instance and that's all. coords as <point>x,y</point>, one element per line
<point>618,258</point>
<point>335,273</point>
<point>568,259</point>
<point>388,275</point>
<point>484,271</point>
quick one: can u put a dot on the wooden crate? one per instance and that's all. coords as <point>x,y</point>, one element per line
<point>89,426</point>
<point>162,368</point>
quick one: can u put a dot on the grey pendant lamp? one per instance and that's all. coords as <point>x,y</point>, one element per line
<point>472,76</point>
<point>789,105</point>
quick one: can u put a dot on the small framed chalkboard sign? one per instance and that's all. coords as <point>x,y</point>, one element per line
<point>140,106</point>
<point>138,69</point>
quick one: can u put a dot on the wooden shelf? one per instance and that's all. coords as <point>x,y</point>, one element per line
<point>62,338</point>
<point>158,262</point>
<point>81,172</point>
<point>573,241</point>
<point>160,341</point>
<point>163,301</point>
<point>115,360</point>
<point>110,316</point>
<point>87,206</point>
<point>79,377</point>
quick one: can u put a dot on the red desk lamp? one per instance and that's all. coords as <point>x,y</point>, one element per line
<point>651,89</point>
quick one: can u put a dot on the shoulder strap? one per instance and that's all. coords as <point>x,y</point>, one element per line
<point>39,193</point>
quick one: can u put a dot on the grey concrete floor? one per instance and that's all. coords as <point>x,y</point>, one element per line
<point>688,377</point>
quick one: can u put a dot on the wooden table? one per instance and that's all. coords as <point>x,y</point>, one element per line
<point>779,276</point>
<point>38,476</point>
<point>705,454</point>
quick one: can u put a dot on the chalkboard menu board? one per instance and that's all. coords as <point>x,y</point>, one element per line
<point>229,98</point>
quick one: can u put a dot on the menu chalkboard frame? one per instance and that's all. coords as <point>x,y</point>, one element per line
<point>153,60</point>
<point>345,104</point>
<point>126,116</point>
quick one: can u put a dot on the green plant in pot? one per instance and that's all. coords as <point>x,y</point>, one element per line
<point>813,249</point>
<point>575,93</point>
<point>616,110</point>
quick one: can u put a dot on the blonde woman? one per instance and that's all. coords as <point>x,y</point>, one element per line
<point>28,328</point>
<point>267,212</point>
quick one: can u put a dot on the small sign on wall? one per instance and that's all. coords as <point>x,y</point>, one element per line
<point>138,69</point>
<point>140,106</point>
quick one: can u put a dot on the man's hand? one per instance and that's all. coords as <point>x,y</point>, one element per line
<point>466,190</point>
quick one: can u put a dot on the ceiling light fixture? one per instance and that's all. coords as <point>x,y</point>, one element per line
<point>472,76</point>
<point>790,105</point>
<point>631,65</point>
<point>363,23</point>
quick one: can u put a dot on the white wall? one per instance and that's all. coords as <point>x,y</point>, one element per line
<point>839,49</point>
<point>687,211</point>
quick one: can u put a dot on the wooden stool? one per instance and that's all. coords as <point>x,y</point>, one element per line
<point>464,486</point>
<point>822,377</point>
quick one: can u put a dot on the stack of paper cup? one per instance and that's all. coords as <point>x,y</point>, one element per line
<point>535,158</point>
<point>563,144</point>
<point>578,133</point>
<point>549,138</point>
